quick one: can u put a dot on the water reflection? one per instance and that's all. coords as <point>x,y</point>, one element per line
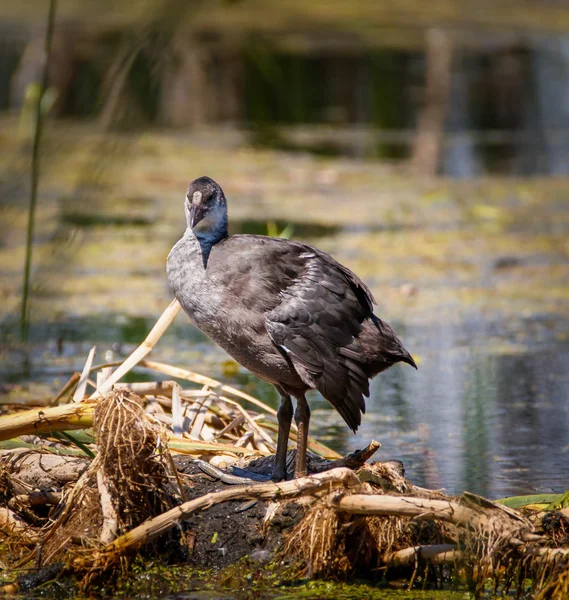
<point>493,424</point>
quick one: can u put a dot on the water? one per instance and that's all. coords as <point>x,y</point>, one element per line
<point>473,277</point>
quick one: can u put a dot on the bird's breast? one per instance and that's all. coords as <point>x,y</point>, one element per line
<point>191,285</point>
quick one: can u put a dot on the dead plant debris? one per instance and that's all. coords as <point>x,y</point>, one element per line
<point>181,470</point>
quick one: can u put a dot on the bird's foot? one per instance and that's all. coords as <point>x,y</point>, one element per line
<point>278,475</point>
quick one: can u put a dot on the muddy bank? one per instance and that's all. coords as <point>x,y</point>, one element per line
<point>136,503</point>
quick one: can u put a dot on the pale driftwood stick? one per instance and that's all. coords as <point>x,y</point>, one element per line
<point>151,339</point>
<point>406,506</point>
<point>55,418</point>
<point>328,481</point>
<point>258,430</point>
<point>435,555</point>
<point>82,385</point>
<point>110,518</point>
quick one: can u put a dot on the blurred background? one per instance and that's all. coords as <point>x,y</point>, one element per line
<point>424,145</point>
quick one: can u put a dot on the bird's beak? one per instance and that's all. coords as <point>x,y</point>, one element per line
<point>193,216</point>
<point>196,215</point>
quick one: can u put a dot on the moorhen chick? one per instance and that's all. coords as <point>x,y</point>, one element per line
<point>286,311</point>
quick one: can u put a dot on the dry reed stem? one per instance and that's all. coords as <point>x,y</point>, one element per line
<point>193,447</point>
<point>180,373</point>
<point>177,411</point>
<point>258,430</point>
<point>54,418</point>
<point>314,484</point>
<point>102,376</point>
<point>147,345</point>
<point>82,385</point>
<point>71,382</point>
<point>199,416</point>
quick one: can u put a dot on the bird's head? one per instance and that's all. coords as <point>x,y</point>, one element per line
<point>206,210</point>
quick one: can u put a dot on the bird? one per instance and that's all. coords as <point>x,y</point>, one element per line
<point>286,311</point>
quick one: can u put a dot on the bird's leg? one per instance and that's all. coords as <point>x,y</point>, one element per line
<point>302,418</point>
<point>284,416</point>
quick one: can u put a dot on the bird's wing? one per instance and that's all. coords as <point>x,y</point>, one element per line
<point>321,313</point>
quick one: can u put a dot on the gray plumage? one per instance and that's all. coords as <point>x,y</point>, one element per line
<point>286,311</point>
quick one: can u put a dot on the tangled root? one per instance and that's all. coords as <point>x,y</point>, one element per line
<point>328,542</point>
<point>129,465</point>
<point>124,485</point>
<point>314,542</point>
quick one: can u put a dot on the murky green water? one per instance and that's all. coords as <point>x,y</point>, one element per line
<point>474,277</point>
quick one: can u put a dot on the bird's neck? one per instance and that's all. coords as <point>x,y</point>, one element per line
<point>208,238</point>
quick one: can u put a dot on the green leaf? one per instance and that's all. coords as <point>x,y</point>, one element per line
<point>521,501</point>
<point>18,443</point>
<point>63,435</point>
<point>561,502</point>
